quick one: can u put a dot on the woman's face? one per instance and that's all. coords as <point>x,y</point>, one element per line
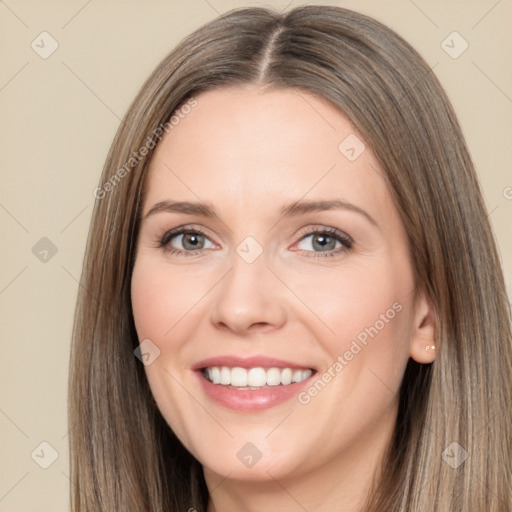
<point>294,261</point>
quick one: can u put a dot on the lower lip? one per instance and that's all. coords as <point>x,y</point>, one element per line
<point>251,400</point>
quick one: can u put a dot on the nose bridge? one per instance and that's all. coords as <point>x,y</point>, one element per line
<point>248,294</point>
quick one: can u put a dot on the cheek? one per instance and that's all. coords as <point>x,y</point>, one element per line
<point>358,303</point>
<point>368,314</point>
<point>152,309</point>
<point>365,327</point>
<point>161,297</point>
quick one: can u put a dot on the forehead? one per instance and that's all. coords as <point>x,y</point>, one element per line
<point>249,147</point>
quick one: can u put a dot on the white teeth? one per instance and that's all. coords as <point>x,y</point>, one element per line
<point>255,377</point>
<point>225,375</point>
<point>239,377</point>
<point>286,376</point>
<point>273,377</point>
<point>297,375</point>
<point>215,375</point>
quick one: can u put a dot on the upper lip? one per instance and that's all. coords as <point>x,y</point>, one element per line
<point>232,361</point>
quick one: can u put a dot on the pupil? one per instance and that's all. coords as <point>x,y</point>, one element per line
<point>323,242</point>
<point>192,240</point>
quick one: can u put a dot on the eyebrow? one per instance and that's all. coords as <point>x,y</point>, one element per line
<point>291,210</point>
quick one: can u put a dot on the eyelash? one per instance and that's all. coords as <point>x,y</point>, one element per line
<point>339,236</point>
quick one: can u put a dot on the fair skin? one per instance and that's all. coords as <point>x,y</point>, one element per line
<point>248,153</point>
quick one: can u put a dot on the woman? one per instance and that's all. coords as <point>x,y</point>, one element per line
<point>291,296</point>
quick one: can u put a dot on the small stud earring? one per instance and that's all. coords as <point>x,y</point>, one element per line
<point>430,347</point>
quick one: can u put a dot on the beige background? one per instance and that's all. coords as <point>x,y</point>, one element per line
<point>59,115</point>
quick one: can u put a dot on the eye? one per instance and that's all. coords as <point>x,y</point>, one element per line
<point>185,241</point>
<point>321,242</point>
<point>325,242</point>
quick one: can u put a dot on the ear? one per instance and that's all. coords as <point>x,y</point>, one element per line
<point>423,346</point>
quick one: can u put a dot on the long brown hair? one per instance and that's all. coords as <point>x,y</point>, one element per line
<point>124,457</point>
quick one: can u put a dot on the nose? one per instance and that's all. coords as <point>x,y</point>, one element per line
<point>249,299</point>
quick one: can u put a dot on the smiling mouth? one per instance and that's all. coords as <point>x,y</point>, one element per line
<point>255,378</point>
